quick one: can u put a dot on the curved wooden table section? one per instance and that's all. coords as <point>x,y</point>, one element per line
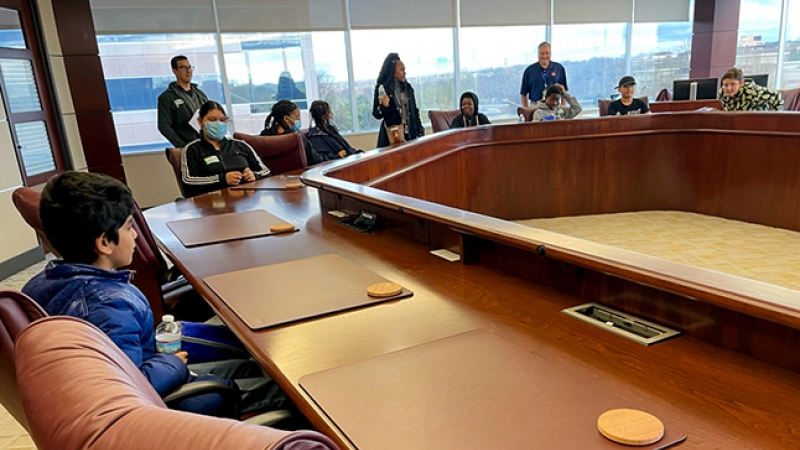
<point>463,183</point>
<point>719,398</point>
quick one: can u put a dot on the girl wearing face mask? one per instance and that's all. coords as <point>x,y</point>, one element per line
<point>325,136</point>
<point>285,119</point>
<point>214,161</point>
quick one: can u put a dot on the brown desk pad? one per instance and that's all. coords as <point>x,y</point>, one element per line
<point>469,391</point>
<point>287,292</point>
<point>274,183</point>
<point>224,227</point>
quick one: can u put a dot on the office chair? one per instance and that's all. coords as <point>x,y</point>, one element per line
<point>17,311</point>
<point>79,391</point>
<point>441,119</point>
<point>281,154</point>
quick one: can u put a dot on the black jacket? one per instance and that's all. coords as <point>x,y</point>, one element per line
<point>203,167</point>
<point>391,114</point>
<point>174,114</point>
<point>328,145</point>
<point>461,120</point>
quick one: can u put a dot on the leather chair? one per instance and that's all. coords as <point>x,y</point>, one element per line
<point>26,200</point>
<point>174,157</point>
<point>79,391</point>
<point>440,120</point>
<point>164,288</point>
<point>280,154</point>
<point>791,99</point>
<point>602,104</point>
<point>527,113</point>
<point>664,95</point>
<point>17,311</point>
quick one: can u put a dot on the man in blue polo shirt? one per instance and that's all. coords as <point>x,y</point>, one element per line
<point>540,76</point>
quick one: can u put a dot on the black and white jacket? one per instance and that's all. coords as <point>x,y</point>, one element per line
<point>203,167</point>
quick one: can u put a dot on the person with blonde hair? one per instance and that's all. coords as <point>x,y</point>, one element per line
<point>743,94</point>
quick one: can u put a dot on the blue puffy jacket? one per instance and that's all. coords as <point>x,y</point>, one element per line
<point>108,300</point>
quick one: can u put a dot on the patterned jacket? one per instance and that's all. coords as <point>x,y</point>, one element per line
<point>751,97</point>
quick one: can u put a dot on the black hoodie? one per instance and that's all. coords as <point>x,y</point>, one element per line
<point>462,120</point>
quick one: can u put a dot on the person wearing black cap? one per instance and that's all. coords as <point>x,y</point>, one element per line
<point>469,116</point>
<point>627,105</point>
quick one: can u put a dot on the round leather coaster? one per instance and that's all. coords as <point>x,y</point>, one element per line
<point>630,427</point>
<point>281,227</point>
<point>294,185</point>
<point>384,289</point>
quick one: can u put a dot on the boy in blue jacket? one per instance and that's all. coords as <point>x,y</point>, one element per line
<point>89,220</point>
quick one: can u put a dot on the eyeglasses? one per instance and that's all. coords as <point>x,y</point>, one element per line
<point>186,68</point>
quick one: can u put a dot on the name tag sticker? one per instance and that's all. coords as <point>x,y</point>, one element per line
<point>213,159</point>
<point>178,103</point>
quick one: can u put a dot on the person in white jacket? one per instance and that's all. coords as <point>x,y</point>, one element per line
<point>550,108</point>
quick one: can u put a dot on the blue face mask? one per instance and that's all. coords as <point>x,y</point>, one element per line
<point>216,130</point>
<point>297,124</point>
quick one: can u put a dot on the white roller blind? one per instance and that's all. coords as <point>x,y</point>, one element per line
<point>593,11</point>
<point>152,16</point>
<point>280,15</point>
<point>402,14</point>
<point>661,11</point>
<point>480,13</point>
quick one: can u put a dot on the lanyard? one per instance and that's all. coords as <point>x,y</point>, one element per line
<point>544,76</point>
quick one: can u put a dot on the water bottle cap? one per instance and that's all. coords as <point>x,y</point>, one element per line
<point>168,318</point>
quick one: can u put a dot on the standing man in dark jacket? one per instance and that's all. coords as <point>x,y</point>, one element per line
<point>178,103</point>
<point>540,76</point>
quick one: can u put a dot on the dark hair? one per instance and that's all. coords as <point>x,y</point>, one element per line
<point>280,111</point>
<point>552,90</point>
<point>176,59</point>
<point>387,70</point>
<point>319,110</point>
<point>209,106</point>
<point>78,207</point>
<point>733,74</point>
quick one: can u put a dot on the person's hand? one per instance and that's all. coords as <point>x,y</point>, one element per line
<point>233,178</point>
<point>184,356</point>
<point>394,135</point>
<point>248,175</point>
<point>342,153</point>
<point>384,99</point>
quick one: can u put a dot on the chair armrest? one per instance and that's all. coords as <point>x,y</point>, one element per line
<point>271,419</point>
<point>171,275</point>
<point>189,390</point>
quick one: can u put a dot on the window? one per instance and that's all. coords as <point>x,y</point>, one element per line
<point>137,70</point>
<point>660,53</point>
<point>428,56</point>
<point>759,28</point>
<point>28,106</point>
<point>492,62</point>
<point>594,57</point>
<point>791,52</point>
<point>302,67</point>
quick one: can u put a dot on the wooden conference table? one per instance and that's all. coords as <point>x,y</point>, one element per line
<point>719,398</point>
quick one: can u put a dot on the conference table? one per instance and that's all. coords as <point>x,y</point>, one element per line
<point>718,398</point>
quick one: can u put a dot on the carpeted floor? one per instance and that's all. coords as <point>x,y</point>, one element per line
<point>762,253</point>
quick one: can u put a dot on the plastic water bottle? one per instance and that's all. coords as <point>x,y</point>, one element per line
<point>381,91</point>
<point>168,335</point>
<point>521,118</point>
